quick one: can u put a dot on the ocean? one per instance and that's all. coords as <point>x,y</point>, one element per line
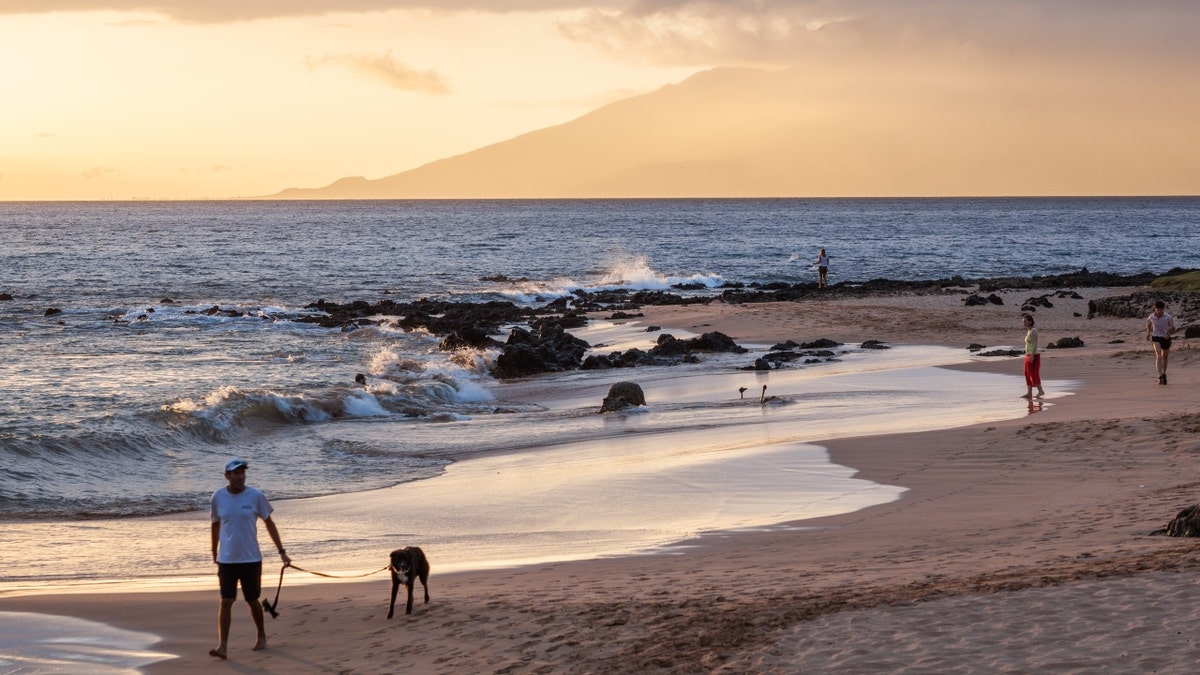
<point>125,390</point>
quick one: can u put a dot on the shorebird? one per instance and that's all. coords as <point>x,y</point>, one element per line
<point>741,392</point>
<point>763,398</point>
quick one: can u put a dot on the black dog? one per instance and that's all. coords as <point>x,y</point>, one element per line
<point>408,565</point>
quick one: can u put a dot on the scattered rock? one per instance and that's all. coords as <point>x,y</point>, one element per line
<point>1002,352</point>
<point>623,395</point>
<point>1065,343</point>
<point>1186,523</point>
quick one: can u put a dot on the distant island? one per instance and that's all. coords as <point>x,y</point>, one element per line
<point>735,132</point>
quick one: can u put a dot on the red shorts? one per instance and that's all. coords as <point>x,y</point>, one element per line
<point>1033,370</point>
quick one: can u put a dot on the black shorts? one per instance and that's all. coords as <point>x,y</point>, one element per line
<point>250,576</point>
<point>1164,342</point>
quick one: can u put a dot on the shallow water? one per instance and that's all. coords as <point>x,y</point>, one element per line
<point>570,484</point>
<point>43,643</point>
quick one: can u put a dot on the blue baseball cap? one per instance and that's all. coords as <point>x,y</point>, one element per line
<point>235,464</point>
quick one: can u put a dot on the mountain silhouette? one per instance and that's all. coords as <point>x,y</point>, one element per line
<point>738,132</point>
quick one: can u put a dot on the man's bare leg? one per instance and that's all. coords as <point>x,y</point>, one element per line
<point>224,621</point>
<point>256,612</point>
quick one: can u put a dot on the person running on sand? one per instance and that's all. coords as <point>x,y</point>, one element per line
<point>1159,326</point>
<point>235,513</point>
<point>1033,359</point>
<point>822,269</point>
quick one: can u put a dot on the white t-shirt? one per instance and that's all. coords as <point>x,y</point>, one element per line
<point>238,515</point>
<point>1161,325</point>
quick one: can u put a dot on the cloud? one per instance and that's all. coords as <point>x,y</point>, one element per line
<point>100,173</point>
<point>223,11</point>
<point>782,32</point>
<point>384,68</point>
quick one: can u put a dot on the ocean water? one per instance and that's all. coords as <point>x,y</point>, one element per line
<point>126,404</point>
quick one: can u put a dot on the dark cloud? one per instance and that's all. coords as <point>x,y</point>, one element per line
<point>705,32</point>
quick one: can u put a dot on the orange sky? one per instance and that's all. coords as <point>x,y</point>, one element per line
<point>177,99</point>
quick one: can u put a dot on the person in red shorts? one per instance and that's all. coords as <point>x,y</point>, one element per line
<point>1033,359</point>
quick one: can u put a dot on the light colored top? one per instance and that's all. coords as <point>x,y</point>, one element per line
<point>238,515</point>
<point>1161,326</point>
<point>1031,340</point>
<point>822,261</point>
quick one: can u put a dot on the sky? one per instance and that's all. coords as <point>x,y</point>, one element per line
<point>179,99</point>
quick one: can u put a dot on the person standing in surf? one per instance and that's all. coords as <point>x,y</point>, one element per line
<point>1033,359</point>
<point>822,269</point>
<point>1159,326</point>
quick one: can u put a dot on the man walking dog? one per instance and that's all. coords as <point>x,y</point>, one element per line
<point>236,509</point>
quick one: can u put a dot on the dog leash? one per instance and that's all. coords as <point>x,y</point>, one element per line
<point>273,607</point>
<point>336,576</point>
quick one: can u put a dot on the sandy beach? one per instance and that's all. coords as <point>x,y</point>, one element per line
<point>1019,546</point>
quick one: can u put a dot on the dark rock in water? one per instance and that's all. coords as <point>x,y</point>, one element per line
<point>52,311</point>
<point>653,329</point>
<point>166,301</point>
<point>716,342</point>
<point>785,346</point>
<point>874,344</point>
<point>1065,343</point>
<point>216,309</point>
<point>823,343</point>
<point>598,362</point>
<point>1186,523</point>
<point>551,349</point>
<point>570,320</point>
<point>5,297</point>
<point>669,345</point>
<point>974,347</point>
<point>623,395</point>
<point>762,364</point>
<point>468,337</point>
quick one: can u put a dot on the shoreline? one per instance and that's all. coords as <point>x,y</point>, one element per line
<point>1058,501</point>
